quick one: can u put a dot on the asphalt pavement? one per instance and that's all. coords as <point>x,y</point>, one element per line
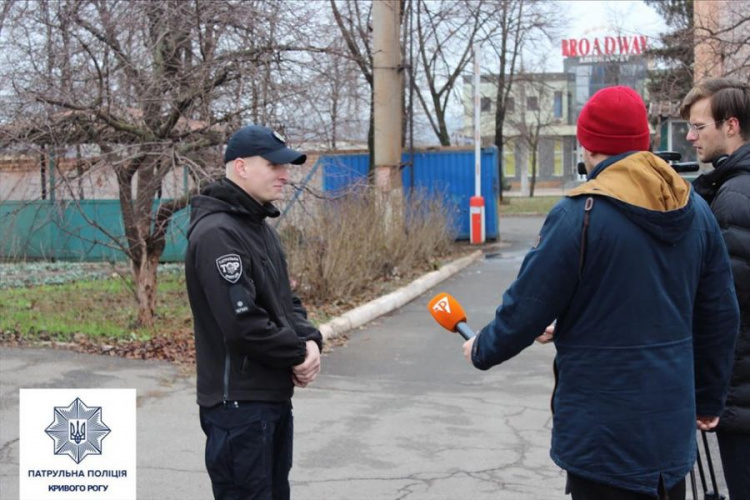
<point>397,413</point>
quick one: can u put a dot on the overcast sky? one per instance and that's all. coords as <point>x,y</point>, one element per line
<point>591,19</point>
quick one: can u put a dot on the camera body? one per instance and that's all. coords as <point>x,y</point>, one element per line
<point>673,158</point>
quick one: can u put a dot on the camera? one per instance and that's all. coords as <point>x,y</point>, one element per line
<point>673,158</point>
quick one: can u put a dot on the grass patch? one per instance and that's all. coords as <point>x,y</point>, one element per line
<point>538,205</point>
<point>103,309</point>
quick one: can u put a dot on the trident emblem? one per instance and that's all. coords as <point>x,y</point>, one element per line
<point>77,431</point>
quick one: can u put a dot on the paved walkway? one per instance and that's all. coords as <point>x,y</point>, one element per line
<point>397,413</point>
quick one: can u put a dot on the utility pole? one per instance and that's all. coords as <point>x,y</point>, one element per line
<point>387,91</point>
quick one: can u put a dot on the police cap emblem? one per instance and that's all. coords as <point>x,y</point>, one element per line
<point>279,136</point>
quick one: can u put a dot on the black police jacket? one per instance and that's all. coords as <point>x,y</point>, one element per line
<point>727,189</point>
<point>250,329</point>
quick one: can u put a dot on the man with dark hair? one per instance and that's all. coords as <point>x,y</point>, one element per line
<point>718,110</point>
<point>253,341</point>
<point>632,266</point>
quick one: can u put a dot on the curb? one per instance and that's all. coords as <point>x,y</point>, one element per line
<point>383,305</point>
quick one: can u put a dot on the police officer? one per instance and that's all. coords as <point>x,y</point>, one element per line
<point>252,337</point>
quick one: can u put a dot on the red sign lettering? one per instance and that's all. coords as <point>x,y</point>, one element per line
<point>605,46</point>
<point>597,48</point>
<point>585,46</point>
<point>624,44</point>
<point>609,45</point>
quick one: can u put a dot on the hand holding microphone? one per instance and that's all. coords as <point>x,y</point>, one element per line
<point>450,315</point>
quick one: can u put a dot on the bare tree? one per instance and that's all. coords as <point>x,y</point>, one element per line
<point>722,39</point>
<point>152,85</point>
<point>672,77</point>
<point>516,23</point>
<point>355,26</point>
<point>445,32</point>
<point>333,94</point>
<point>534,118</point>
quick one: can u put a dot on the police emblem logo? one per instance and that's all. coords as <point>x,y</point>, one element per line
<point>230,267</point>
<point>77,430</point>
<point>279,136</point>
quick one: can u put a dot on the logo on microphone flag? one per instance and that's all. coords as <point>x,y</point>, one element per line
<point>442,305</point>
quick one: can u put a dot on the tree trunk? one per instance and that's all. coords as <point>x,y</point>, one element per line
<point>144,273</point>
<point>371,138</point>
<point>445,137</point>
<point>442,129</point>
<point>533,171</point>
<point>499,123</point>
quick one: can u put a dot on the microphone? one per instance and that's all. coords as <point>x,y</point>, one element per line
<point>450,315</point>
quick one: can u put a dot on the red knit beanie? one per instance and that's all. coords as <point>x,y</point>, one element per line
<point>614,121</point>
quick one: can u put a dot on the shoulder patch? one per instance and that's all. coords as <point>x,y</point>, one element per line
<point>230,267</point>
<point>537,241</point>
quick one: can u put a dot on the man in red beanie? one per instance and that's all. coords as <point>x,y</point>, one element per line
<point>632,266</point>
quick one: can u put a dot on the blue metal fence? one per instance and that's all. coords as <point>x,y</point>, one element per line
<point>449,173</point>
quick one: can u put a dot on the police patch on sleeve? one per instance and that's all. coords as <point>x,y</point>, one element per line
<point>240,300</point>
<point>230,267</point>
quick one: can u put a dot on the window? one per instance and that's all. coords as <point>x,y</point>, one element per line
<point>510,105</point>
<point>557,168</point>
<point>532,103</point>
<point>486,104</point>
<point>509,159</point>
<point>558,111</point>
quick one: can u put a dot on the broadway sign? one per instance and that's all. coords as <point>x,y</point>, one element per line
<point>604,46</point>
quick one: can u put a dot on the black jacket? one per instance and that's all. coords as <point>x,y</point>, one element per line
<point>727,189</point>
<point>250,329</point>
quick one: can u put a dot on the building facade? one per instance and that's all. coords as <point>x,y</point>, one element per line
<point>542,109</point>
<point>722,45</point>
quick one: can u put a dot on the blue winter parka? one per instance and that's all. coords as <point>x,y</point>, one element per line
<point>647,320</point>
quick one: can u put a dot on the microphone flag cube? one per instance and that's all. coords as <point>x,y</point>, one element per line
<point>447,311</point>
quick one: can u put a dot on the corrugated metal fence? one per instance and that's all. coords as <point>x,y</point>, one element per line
<point>92,230</point>
<point>87,230</point>
<point>448,172</point>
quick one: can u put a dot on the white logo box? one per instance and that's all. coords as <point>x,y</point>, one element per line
<point>95,460</point>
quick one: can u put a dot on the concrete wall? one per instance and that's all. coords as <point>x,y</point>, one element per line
<point>21,179</point>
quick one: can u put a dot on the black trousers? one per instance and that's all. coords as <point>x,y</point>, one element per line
<point>584,489</point>
<point>734,448</point>
<point>249,449</point>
